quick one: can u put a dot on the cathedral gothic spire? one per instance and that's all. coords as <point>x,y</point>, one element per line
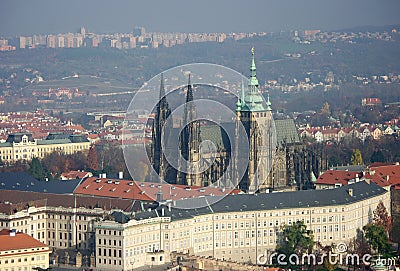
<point>161,122</point>
<point>189,142</point>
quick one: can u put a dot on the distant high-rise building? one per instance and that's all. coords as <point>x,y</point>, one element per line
<point>60,41</point>
<point>83,32</point>
<point>70,41</point>
<point>51,41</point>
<point>132,42</point>
<point>139,31</point>
<point>78,41</point>
<point>38,40</point>
<point>22,42</point>
<point>91,42</point>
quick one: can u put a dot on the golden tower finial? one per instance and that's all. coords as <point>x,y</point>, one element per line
<point>252,50</point>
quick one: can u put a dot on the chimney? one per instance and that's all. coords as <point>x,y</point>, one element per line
<point>350,192</point>
<point>121,175</point>
<point>104,175</point>
<point>159,195</point>
<point>12,232</point>
<point>162,212</point>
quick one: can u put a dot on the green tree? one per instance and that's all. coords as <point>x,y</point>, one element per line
<point>36,169</point>
<point>377,237</point>
<point>377,156</point>
<point>356,157</point>
<point>296,239</point>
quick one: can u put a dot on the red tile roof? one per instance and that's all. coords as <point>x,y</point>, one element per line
<point>332,177</point>
<point>75,174</point>
<point>13,200</point>
<point>382,175</point>
<point>389,175</point>
<point>93,136</point>
<point>145,191</point>
<point>19,241</point>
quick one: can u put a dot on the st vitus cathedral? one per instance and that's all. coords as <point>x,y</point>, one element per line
<point>270,165</point>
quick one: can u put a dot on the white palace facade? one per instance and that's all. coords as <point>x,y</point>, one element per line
<point>235,227</point>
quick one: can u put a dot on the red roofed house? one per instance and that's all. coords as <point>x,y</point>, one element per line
<point>20,251</point>
<point>336,178</point>
<point>385,176</point>
<point>93,138</point>
<point>75,174</point>
<point>370,101</point>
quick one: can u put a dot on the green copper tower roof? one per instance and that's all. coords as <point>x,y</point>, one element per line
<point>253,101</point>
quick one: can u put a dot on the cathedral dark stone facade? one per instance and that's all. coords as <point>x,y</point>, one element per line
<point>187,160</point>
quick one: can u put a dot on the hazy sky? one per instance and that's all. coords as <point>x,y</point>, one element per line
<point>25,17</point>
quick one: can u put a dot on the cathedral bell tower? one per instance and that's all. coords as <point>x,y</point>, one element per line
<point>256,118</point>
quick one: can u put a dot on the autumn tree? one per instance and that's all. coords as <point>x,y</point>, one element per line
<point>55,163</point>
<point>356,157</point>
<point>143,171</point>
<point>92,160</point>
<point>382,218</point>
<point>325,110</point>
<point>76,161</point>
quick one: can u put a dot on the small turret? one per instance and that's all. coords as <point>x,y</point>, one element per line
<point>268,103</point>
